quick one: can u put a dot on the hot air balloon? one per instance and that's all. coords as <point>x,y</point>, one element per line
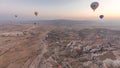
<point>97,37</point>
<point>36,13</point>
<point>101,16</point>
<point>94,5</point>
<point>15,16</point>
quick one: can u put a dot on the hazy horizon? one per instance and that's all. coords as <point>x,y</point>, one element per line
<point>67,21</point>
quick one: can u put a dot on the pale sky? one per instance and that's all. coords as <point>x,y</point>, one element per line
<point>58,9</point>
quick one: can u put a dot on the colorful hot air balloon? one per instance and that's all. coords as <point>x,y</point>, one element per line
<point>97,37</point>
<point>36,13</point>
<point>94,5</point>
<point>101,16</point>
